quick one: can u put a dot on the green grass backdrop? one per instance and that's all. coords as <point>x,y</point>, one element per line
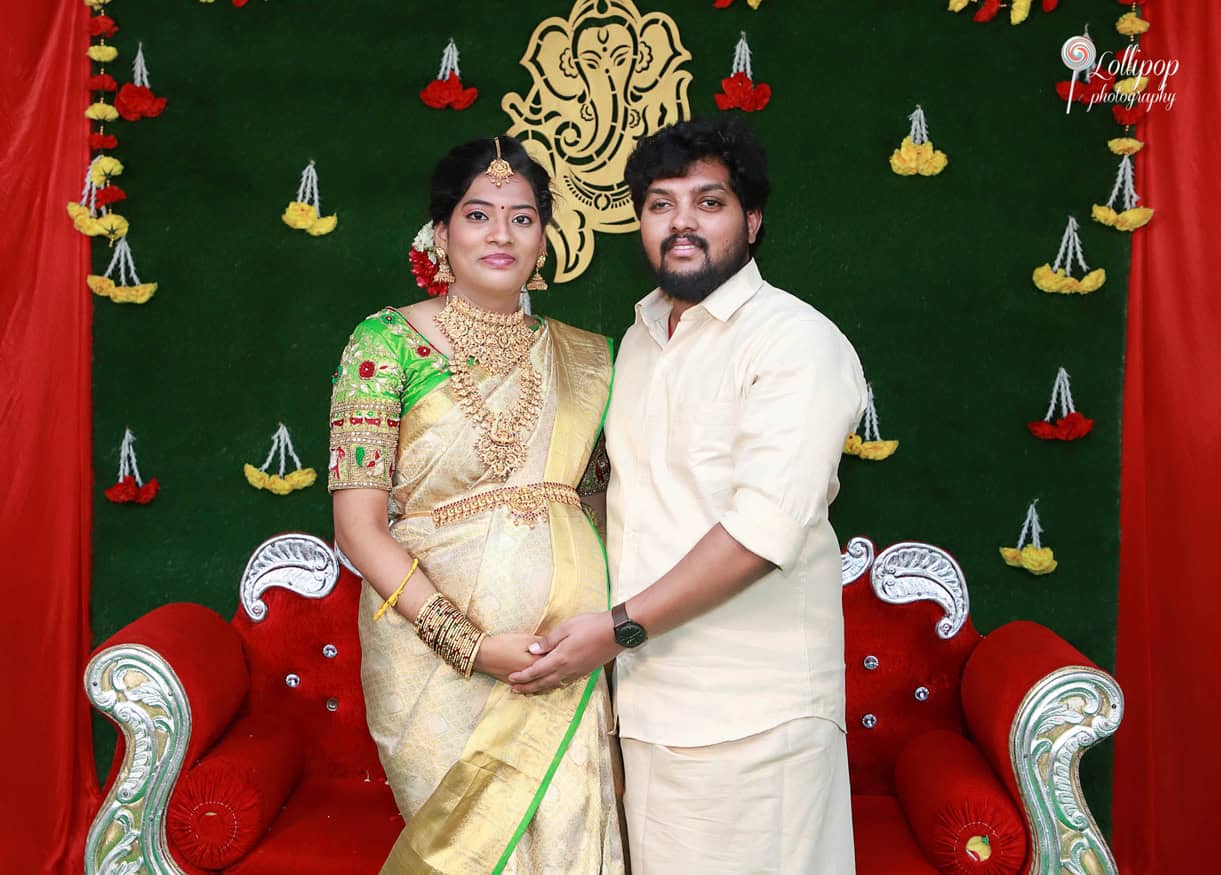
<point>930,278</point>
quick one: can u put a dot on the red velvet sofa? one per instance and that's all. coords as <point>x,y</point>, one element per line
<point>243,744</point>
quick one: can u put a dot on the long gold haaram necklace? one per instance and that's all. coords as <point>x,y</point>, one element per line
<point>499,342</point>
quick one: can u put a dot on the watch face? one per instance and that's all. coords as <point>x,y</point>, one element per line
<point>630,634</point>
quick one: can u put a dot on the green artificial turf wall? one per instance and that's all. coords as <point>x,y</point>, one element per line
<point>929,277</point>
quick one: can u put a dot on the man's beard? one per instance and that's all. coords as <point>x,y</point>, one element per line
<point>694,286</point>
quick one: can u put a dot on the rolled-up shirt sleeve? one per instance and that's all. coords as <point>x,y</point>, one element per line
<point>804,394</point>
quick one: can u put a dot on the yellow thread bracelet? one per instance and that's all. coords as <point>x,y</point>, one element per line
<point>394,596</point>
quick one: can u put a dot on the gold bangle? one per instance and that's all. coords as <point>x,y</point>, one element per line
<point>394,596</point>
<point>470,664</point>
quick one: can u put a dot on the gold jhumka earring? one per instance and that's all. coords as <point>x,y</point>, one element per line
<point>537,283</point>
<point>445,274</point>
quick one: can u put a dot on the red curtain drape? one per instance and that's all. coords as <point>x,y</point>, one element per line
<point>1167,760</point>
<point>47,784</point>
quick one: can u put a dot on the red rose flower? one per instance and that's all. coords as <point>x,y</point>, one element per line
<point>1066,428</point>
<point>122,492</point>
<point>367,369</point>
<point>425,272</point>
<point>987,10</point>
<point>148,491</point>
<point>1130,115</point>
<point>739,92</point>
<point>440,93</point>
<point>102,82</point>
<point>98,142</point>
<point>111,194</point>
<point>102,25</point>
<point>423,352</point>
<point>135,102</point>
<point>1050,5</point>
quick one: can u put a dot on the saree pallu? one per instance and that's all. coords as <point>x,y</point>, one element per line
<point>488,780</point>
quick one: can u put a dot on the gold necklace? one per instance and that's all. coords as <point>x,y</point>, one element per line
<point>499,342</point>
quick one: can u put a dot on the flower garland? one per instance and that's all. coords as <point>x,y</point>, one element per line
<point>281,483</point>
<point>423,257</point>
<point>129,487</point>
<point>738,89</point>
<point>871,447</point>
<point>446,90</point>
<point>129,289</point>
<point>92,215</point>
<point>305,213</point>
<point>916,154</point>
<point>1019,10</point>
<point>136,100</point>
<point>1032,556</point>
<point>1070,425</point>
<point>1058,278</point>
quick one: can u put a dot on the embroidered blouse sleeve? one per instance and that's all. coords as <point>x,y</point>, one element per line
<point>366,406</point>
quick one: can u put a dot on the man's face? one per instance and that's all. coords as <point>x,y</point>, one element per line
<point>695,233</point>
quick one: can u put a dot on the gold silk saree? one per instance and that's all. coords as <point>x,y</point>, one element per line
<point>488,780</point>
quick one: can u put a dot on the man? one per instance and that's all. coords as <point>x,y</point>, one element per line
<point>731,403</point>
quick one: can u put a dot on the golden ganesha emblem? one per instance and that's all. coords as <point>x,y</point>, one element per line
<point>602,79</point>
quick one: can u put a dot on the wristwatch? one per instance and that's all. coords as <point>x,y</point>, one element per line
<point>628,633</point>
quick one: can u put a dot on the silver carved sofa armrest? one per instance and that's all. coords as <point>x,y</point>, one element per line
<point>172,682</point>
<point>1034,704</point>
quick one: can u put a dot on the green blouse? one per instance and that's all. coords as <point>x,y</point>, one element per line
<point>386,368</point>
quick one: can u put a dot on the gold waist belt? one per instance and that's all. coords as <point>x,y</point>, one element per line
<point>527,504</point>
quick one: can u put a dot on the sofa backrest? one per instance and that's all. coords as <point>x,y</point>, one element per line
<point>907,632</point>
<point>297,619</point>
<point>907,637</point>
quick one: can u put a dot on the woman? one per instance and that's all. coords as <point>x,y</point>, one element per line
<point>479,421</point>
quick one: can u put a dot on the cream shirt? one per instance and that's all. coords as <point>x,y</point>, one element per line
<point>739,419</point>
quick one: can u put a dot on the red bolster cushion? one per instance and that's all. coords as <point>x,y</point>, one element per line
<point>997,677</point>
<point>959,812</point>
<point>227,802</point>
<point>206,654</point>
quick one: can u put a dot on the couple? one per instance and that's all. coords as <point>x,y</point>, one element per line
<point>485,616</point>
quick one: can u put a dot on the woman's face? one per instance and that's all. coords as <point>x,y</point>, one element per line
<point>493,237</point>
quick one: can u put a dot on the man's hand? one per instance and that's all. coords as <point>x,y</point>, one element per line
<point>501,655</point>
<point>573,650</point>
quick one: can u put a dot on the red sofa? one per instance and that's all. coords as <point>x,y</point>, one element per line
<point>243,744</point>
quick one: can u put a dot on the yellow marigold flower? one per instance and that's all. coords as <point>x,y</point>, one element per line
<point>300,216</point>
<point>1049,280</point>
<point>100,285</point>
<point>96,4</point>
<point>322,226</point>
<point>101,112</point>
<point>1131,24</point>
<point>1137,217</point>
<point>1012,556</point>
<point>958,5</point>
<point>754,4</point>
<point>1019,11</point>
<point>76,211</point>
<point>105,169</point>
<point>910,159</point>
<point>112,226</point>
<point>1105,215</point>
<point>301,478</point>
<point>102,54</point>
<point>852,445</point>
<point>277,485</point>
<point>255,477</point>
<point>1038,560</point>
<point>1125,145</point>
<point>133,294</point>
<point>1091,282</point>
<point>876,451</point>
<point>1132,85</point>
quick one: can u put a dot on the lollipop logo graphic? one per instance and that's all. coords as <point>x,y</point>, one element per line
<point>1078,54</point>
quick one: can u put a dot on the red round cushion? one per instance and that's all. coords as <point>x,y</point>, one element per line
<point>961,815</point>
<point>228,800</point>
